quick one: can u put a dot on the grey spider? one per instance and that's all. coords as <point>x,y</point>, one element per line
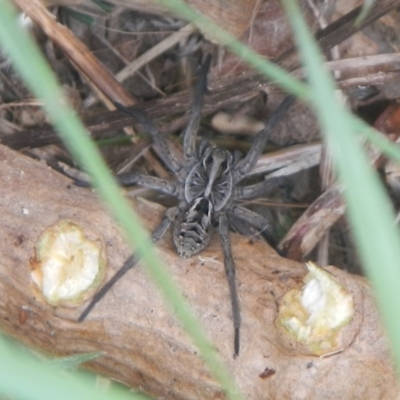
<point>207,190</point>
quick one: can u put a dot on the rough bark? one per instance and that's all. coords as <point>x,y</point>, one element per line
<point>143,344</point>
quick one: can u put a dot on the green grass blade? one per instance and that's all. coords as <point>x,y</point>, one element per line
<point>388,148</point>
<point>273,72</point>
<point>27,59</point>
<point>366,8</point>
<point>23,376</point>
<point>369,210</point>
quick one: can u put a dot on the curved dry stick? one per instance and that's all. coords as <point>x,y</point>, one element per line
<point>143,344</point>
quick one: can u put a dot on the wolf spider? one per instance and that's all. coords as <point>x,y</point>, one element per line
<point>207,190</point>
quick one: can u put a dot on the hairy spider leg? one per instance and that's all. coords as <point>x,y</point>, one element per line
<point>150,182</point>
<point>190,133</point>
<point>159,142</point>
<point>252,218</point>
<point>129,179</point>
<point>258,189</point>
<point>131,261</point>
<point>244,166</point>
<point>229,266</point>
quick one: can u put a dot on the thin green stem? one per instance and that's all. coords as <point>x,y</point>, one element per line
<point>29,62</point>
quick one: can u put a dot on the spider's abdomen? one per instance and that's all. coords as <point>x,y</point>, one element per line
<point>192,228</point>
<point>211,177</point>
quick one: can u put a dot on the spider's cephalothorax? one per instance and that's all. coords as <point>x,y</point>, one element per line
<point>207,190</point>
<point>211,177</point>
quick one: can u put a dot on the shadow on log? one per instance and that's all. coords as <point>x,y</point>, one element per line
<point>144,346</point>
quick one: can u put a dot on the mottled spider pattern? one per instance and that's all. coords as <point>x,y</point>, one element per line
<point>207,189</point>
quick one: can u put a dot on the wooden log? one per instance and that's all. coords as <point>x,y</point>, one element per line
<point>143,344</point>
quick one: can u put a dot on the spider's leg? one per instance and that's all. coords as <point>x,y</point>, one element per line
<point>189,139</point>
<point>246,164</point>
<point>150,182</point>
<point>129,263</point>
<point>256,220</point>
<point>259,189</point>
<point>159,141</point>
<point>230,274</point>
<point>129,179</point>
